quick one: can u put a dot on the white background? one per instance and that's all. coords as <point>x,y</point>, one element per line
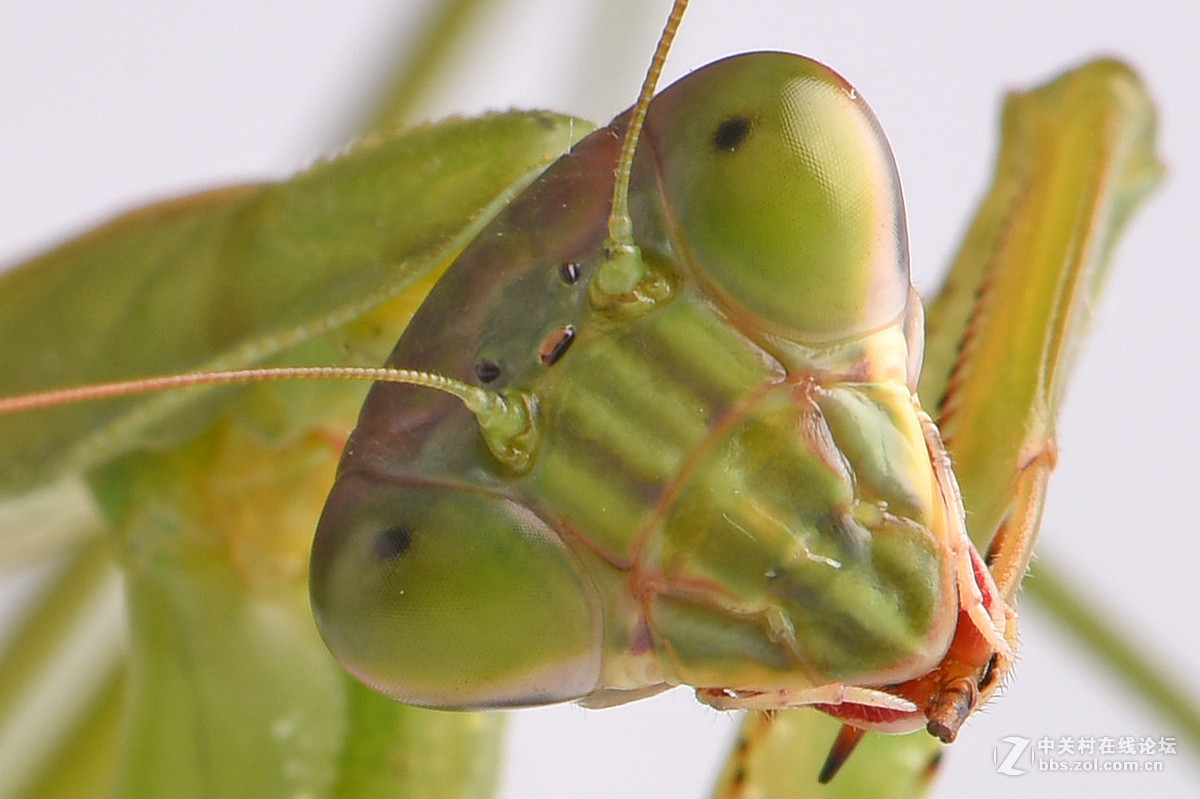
<point>105,106</point>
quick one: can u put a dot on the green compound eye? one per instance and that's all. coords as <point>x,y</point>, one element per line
<point>786,186</point>
<point>451,598</point>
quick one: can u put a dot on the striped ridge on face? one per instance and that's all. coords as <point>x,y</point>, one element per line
<point>682,455</point>
<point>628,406</point>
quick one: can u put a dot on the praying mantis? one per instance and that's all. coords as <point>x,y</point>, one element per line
<point>982,761</point>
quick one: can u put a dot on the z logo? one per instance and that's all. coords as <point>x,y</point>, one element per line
<point>1007,767</point>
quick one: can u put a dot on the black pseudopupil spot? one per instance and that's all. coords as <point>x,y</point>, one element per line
<point>731,133</point>
<point>393,542</point>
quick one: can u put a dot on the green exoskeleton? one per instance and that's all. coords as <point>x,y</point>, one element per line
<point>707,465</point>
<point>724,478</point>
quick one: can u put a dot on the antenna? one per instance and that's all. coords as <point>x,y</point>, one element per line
<point>623,267</point>
<point>505,419</point>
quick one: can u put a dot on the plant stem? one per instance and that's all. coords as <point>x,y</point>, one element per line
<point>1114,648</point>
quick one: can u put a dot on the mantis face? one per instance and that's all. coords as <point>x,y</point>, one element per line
<point>952,114</point>
<point>730,485</point>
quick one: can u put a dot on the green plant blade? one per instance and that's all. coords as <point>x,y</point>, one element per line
<point>1114,648</point>
<point>415,77</point>
<point>54,669</point>
<point>86,761</point>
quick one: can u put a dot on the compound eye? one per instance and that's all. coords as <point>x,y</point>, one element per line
<point>451,598</point>
<point>785,195</point>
